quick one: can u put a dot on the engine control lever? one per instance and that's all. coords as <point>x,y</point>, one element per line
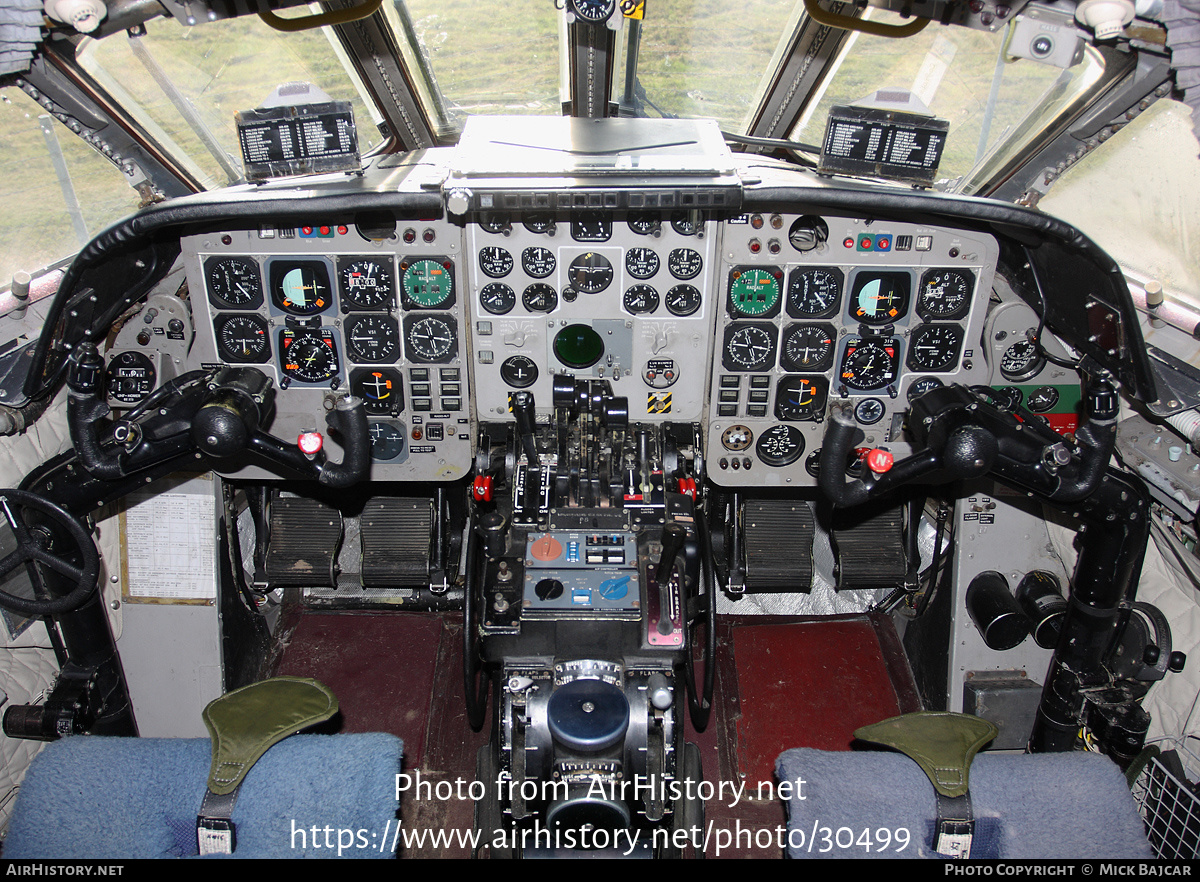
<point>523,412</point>
<point>673,537</point>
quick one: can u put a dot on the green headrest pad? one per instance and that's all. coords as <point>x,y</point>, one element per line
<point>246,722</point>
<point>942,744</point>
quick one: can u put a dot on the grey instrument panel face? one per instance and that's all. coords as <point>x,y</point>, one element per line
<point>324,311</point>
<point>872,316</point>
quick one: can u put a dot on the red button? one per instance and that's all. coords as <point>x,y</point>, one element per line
<point>310,443</point>
<point>482,488</point>
<point>879,461</point>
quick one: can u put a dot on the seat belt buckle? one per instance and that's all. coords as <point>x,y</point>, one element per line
<point>215,835</point>
<point>953,839</point>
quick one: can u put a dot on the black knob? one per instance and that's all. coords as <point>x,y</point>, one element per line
<point>548,589</point>
<point>673,537</point>
<point>491,527</point>
<point>1176,660</point>
<point>1151,654</point>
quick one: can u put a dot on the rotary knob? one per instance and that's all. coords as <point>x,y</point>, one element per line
<point>458,200</point>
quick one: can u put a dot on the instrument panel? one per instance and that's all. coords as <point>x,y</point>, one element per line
<point>751,326</point>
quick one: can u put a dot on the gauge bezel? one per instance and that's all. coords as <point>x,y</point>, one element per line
<point>858,282</point>
<point>691,291</point>
<point>594,268</point>
<point>591,226</point>
<point>794,437</point>
<point>413,353</point>
<point>504,263</point>
<point>958,312</point>
<point>771,303</point>
<point>795,305</point>
<point>790,331</point>
<point>950,356</point>
<point>814,411</point>
<point>544,291</point>
<point>224,319</point>
<point>1032,365</point>
<point>505,291</point>
<point>407,298</point>
<point>649,292</point>
<point>854,346</point>
<point>130,360</point>
<point>327,343</point>
<point>393,404</point>
<point>389,328</point>
<point>506,368</point>
<point>644,223</point>
<point>687,273</point>
<point>538,262</point>
<point>767,331</point>
<point>382,298</point>
<point>278,269</point>
<point>254,301</point>
<point>644,257</point>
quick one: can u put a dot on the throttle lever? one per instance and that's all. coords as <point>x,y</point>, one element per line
<point>674,534</point>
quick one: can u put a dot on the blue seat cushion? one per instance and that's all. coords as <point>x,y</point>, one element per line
<point>309,796</point>
<point>860,804</point>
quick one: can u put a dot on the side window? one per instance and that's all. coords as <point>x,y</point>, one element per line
<point>57,191</point>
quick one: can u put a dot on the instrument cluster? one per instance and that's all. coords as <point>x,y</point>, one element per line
<point>323,309</point>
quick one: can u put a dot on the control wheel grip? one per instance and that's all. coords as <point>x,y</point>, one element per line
<point>349,420</point>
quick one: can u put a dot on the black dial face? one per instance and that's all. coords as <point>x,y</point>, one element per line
<point>301,287</point>
<point>870,363</point>
<point>372,338</point>
<point>684,263</point>
<point>495,222</point>
<point>640,300</point>
<point>233,281</point>
<point>366,283</point>
<point>945,293</point>
<point>430,338</point>
<point>593,10</point>
<point>754,291</point>
<point>808,348</point>
<point>801,399</point>
<point>1043,399</point>
<point>519,371</point>
<point>387,441</point>
<point>935,348</point>
<point>880,298</point>
<point>497,298</point>
<point>590,273</point>
<point>815,292</point>
<point>242,339</point>
<point>538,262</point>
<point>686,223</point>
<point>641,263</point>
<point>683,300</point>
<point>539,297</point>
<point>869,411</point>
<point>645,223</point>
<point>779,446</point>
<point>495,261</point>
<point>1021,361</point>
<point>309,356</point>
<point>1008,398</point>
<point>749,347</point>
<point>591,226</point>
<point>381,390</point>
<point>539,223</point>
<point>428,283</point>
<point>923,385</point>
<point>131,377</point>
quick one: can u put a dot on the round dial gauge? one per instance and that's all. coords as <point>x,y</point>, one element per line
<point>1006,398</point>
<point>945,293</point>
<point>814,293</point>
<point>309,356</point>
<point>800,399</point>
<point>684,263</point>
<point>808,348</point>
<point>779,446</point>
<point>869,411</point>
<point>519,371</point>
<point>869,364</point>
<point>366,282</point>
<point>644,223</point>
<point>737,438</point>
<point>686,223</point>
<point>539,223</point>
<point>495,222</point>
<point>428,283</point>
<point>372,338</point>
<point>387,441</point>
<point>590,273</point>
<point>301,287</point>
<point>683,300</point>
<point>593,10</point>
<point>497,298</point>
<point>537,262</point>
<point>233,281</point>
<point>754,291</point>
<point>242,339</point>
<point>935,348</point>
<point>641,263</point>
<point>923,385</point>
<point>430,338</point>
<point>640,300</point>
<point>1043,399</point>
<point>381,390</point>
<point>539,297</point>
<point>1021,361</point>
<point>880,298</point>
<point>131,377</point>
<point>495,261</point>
<point>749,347</point>
<point>591,226</point>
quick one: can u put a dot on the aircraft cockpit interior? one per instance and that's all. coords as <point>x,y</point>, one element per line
<point>597,425</point>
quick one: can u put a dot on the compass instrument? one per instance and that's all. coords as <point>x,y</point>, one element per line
<point>430,338</point>
<point>749,346</point>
